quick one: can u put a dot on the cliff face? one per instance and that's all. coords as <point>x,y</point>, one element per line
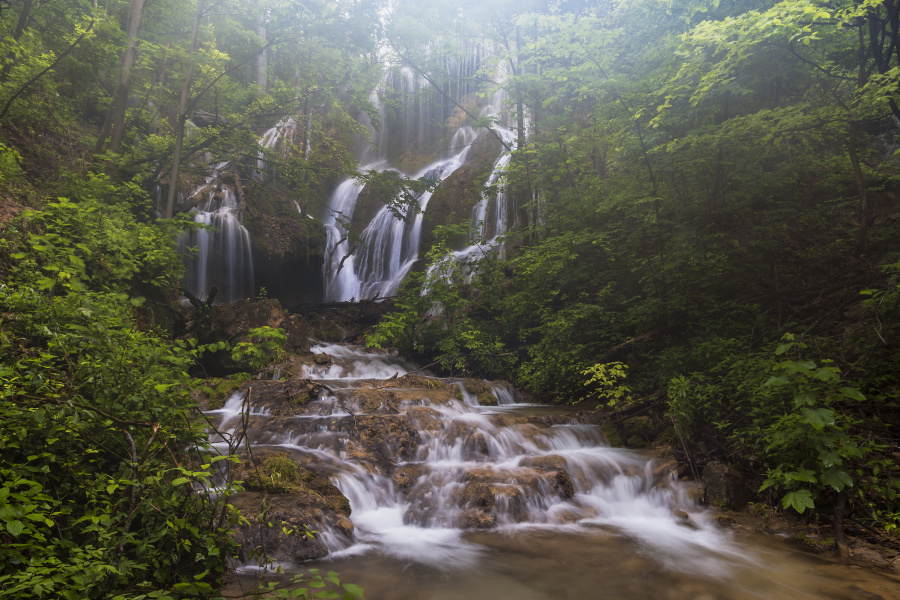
<point>454,198</point>
<point>288,248</point>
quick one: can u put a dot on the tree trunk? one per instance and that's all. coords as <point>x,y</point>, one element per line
<point>21,24</point>
<point>262,64</point>
<point>182,114</point>
<point>116,118</point>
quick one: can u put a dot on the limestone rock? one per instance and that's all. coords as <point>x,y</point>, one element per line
<point>453,199</point>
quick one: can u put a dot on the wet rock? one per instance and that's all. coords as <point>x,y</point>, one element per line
<point>281,398</point>
<point>406,476</point>
<point>322,359</point>
<point>284,241</point>
<point>478,519</point>
<point>453,199</point>
<point>475,446</point>
<point>482,391</point>
<point>724,487</point>
<point>382,440</point>
<point>282,500</point>
<point>563,485</point>
<point>550,462</point>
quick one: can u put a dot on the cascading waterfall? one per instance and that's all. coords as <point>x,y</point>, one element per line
<point>473,468</point>
<point>389,246</point>
<point>223,256</point>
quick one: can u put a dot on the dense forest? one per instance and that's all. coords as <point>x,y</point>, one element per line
<point>703,226</point>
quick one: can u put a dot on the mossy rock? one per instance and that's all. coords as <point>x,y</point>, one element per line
<point>278,473</point>
<point>217,391</point>
<point>611,434</point>
<point>420,381</point>
<point>482,391</point>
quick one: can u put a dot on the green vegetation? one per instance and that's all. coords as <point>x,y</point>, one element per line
<point>705,196</point>
<point>105,476</point>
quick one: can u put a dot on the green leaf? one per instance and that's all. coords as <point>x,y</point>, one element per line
<point>837,479</point>
<point>353,592</point>
<point>852,393</point>
<point>180,480</point>
<point>818,418</point>
<point>799,500</point>
<point>15,527</point>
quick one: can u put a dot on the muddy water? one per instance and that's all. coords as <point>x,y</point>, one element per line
<point>516,501</point>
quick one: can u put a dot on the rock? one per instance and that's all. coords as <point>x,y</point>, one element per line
<point>563,485</point>
<point>202,118</point>
<point>482,391</point>
<point>550,462</point>
<point>406,476</point>
<point>232,323</point>
<point>453,199</point>
<point>283,496</point>
<point>284,241</point>
<point>322,359</point>
<point>475,446</point>
<point>724,487</point>
<point>282,397</point>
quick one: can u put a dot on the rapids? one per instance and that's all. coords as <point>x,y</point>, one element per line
<point>452,499</point>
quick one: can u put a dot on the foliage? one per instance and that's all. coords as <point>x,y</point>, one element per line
<point>606,380</point>
<point>266,346</point>
<point>107,479</point>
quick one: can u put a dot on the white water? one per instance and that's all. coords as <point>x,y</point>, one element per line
<point>477,467</point>
<point>223,255</point>
<point>388,246</point>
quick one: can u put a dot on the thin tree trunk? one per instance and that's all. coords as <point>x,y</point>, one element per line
<point>182,114</point>
<point>863,206</point>
<point>262,63</point>
<point>117,114</point>
<point>21,24</point>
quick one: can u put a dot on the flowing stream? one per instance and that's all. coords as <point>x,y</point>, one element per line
<point>452,499</point>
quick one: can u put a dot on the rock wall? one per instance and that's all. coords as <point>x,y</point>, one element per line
<point>288,248</point>
<point>454,198</point>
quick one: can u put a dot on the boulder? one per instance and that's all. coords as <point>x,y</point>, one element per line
<point>724,487</point>
<point>283,502</point>
<point>232,323</point>
<point>482,391</point>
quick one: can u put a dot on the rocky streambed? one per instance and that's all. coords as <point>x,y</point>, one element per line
<point>419,487</point>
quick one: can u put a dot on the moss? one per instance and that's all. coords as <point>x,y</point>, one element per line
<point>815,542</point>
<point>636,441</point>
<point>278,473</point>
<point>420,381</point>
<point>482,391</point>
<point>725,519</point>
<point>218,390</point>
<point>612,435</point>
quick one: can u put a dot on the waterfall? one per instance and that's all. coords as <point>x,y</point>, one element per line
<point>388,246</point>
<point>465,467</point>
<point>223,257</point>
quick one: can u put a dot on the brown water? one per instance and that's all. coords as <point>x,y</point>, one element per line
<point>602,564</point>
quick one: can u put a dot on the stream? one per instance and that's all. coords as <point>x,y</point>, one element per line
<point>453,499</point>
